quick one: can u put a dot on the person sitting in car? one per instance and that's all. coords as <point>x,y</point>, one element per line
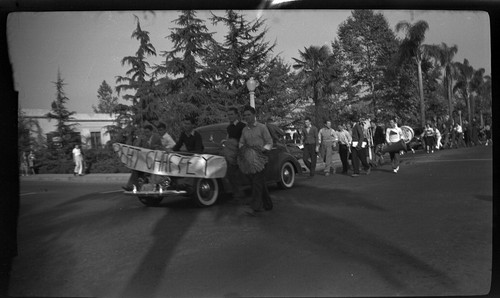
<point>189,137</point>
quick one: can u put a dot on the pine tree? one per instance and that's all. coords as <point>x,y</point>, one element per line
<point>64,130</point>
<point>107,102</point>
<point>184,69</point>
<point>244,53</point>
<point>145,103</point>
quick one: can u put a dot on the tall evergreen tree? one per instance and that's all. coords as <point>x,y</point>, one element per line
<point>367,43</point>
<point>138,82</point>
<point>184,67</point>
<point>244,53</point>
<point>107,102</point>
<point>59,112</point>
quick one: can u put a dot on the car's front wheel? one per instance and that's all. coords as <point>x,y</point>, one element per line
<point>206,191</point>
<point>287,175</point>
<point>150,201</point>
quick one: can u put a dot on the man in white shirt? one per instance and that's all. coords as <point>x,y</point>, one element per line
<point>459,134</point>
<point>166,140</point>
<point>393,135</point>
<point>78,159</point>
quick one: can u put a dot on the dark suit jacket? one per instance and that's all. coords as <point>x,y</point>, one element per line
<point>311,137</point>
<point>357,134</point>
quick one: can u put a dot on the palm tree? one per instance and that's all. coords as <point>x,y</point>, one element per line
<point>412,47</point>
<point>465,84</point>
<point>444,56</point>
<point>481,88</point>
<point>316,66</point>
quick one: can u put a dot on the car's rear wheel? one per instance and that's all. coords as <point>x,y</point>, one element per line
<point>150,201</point>
<point>206,191</point>
<point>287,175</point>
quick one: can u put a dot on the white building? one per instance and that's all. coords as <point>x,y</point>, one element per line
<point>91,127</point>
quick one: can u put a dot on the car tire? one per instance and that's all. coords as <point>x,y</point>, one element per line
<point>287,175</point>
<point>150,201</point>
<point>206,191</point>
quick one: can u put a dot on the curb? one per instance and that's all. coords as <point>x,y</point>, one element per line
<point>96,178</point>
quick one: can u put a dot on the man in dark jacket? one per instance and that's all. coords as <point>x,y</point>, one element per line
<point>311,145</point>
<point>189,137</point>
<point>378,135</point>
<point>358,148</point>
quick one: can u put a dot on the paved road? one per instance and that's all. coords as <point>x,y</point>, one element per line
<point>425,231</point>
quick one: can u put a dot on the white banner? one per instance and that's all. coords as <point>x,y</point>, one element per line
<point>177,164</point>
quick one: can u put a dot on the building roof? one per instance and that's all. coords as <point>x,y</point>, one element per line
<point>79,117</point>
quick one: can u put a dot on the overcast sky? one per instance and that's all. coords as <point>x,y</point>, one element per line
<point>87,47</point>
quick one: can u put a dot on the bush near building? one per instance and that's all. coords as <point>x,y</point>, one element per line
<point>102,160</point>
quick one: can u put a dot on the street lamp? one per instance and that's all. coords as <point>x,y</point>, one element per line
<point>251,85</point>
<point>460,116</point>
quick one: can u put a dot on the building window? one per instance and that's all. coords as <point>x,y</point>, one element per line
<point>95,140</point>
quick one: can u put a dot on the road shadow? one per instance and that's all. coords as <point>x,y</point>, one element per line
<point>308,222</point>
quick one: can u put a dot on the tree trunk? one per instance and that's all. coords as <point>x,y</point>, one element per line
<point>316,105</point>
<point>421,91</point>
<point>374,99</point>
<point>449,95</point>
<point>467,99</point>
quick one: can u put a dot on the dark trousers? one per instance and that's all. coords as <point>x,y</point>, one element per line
<point>235,177</point>
<point>260,195</point>
<point>310,153</point>
<point>344,154</point>
<point>357,156</point>
<point>394,159</point>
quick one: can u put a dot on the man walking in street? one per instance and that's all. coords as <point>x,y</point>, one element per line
<point>393,135</point>
<point>377,132</point>
<point>256,136</point>
<point>310,141</point>
<point>326,140</point>
<point>234,131</point>
<point>345,140</point>
<point>358,148</point>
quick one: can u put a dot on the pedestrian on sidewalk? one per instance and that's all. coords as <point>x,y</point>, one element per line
<point>23,164</point>
<point>31,162</point>
<point>78,160</point>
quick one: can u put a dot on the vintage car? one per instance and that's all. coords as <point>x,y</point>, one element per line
<point>199,176</point>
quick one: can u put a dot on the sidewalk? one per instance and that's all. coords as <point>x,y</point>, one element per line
<point>93,177</point>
